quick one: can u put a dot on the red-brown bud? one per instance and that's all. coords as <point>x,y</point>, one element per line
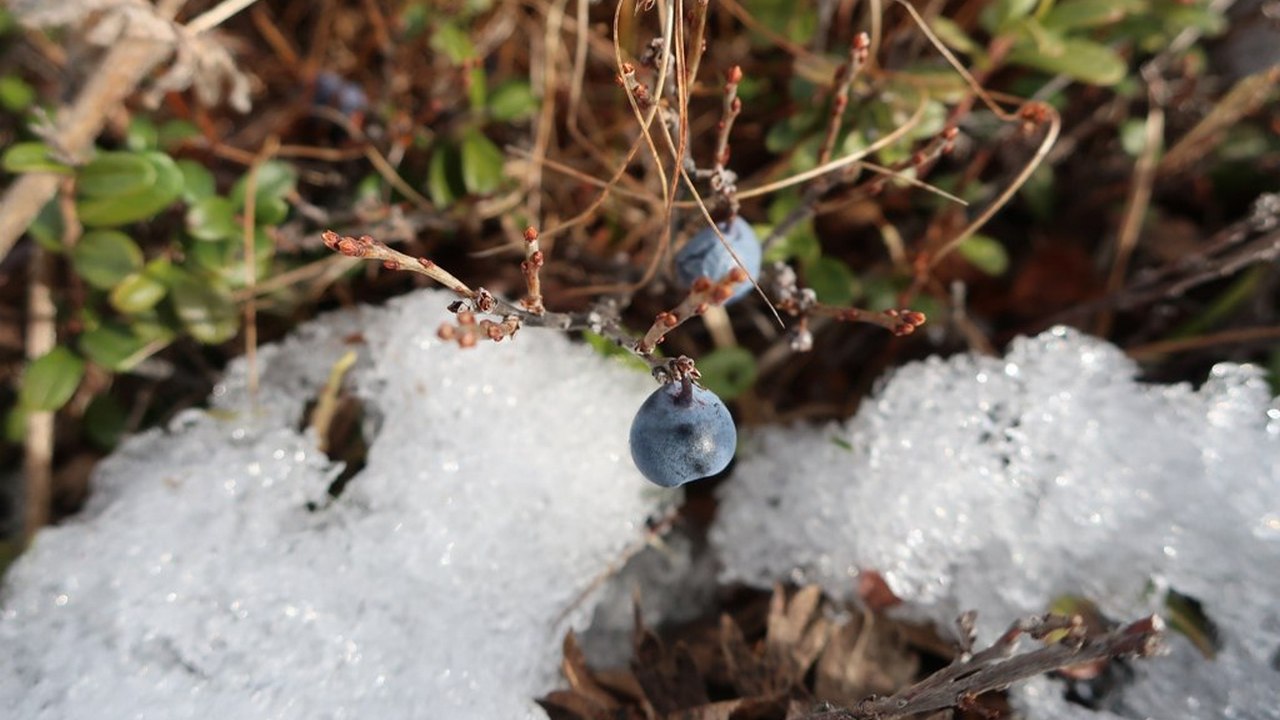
<point>734,76</point>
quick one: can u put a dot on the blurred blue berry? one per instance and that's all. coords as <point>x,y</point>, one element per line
<point>682,433</point>
<point>334,91</point>
<point>705,256</point>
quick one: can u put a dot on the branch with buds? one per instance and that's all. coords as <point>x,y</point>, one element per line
<point>801,302</point>
<point>999,666</point>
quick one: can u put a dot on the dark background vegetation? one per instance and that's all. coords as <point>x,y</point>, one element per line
<point>445,128</point>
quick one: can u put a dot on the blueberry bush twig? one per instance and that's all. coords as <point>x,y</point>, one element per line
<point>474,304</point>
<point>999,666</point>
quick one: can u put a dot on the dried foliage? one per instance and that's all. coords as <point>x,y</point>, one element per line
<point>810,660</point>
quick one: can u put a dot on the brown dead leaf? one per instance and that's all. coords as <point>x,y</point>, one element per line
<point>669,678</point>
<point>866,656</point>
<point>797,631</point>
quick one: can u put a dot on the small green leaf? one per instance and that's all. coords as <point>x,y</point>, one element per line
<point>832,280</point>
<point>31,157</point>
<point>142,134</point>
<point>115,174</point>
<point>728,372</point>
<point>1081,59</point>
<point>953,36</point>
<point>51,380</point>
<point>477,88</point>
<point>16,94</point>
<point>985,253</point>
<point>276,180</point>
<point>197,181</point>
<point>444,176</point>
<point>15,425</point>
<point>453,43</point>
<point>512,101</point>
<point>997,17</point>
<point>1079,14</point>
<point>105,257</point>
<point>137,293</point>
<point>141,205</point>
<point>481,164</point>
<point>104,421</point>
<point>1133,136</point>
<point>176,132</point>
<point>115,347</point>
<point>212,218</point>
<point>48,228</point>
<point>609,349</point>
<point>205,308</point>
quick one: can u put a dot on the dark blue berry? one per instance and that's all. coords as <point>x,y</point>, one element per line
<point>705,256</point>
<point>682,433</point>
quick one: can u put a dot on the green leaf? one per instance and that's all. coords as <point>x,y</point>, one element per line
<point>801,243</point>
<point>115,347</point>
<point>176,132</point>
<point>104,421</point>
<point>137,293</point>
<point>444,176</point>
<point>105,257</point>
<point>16,94</point>
<point>197,181</point>
<point>997,17</point>
<point>511,101</point>
<point>477,88</point>
<point>453,43</point>
<point>141,205</point>
<point>30,157</point>
<point>1079,14</point>
<point>728,372</point>
<point>205,308</point>
<point>481,164</point>
<point>48,228</point>
<point>276,180</point>
<point>142,135</point>
<point>609,349</point>
<point>832,280</point>
<point>1133,136</point>
<point>51,380</point>
<point>212,218</point>
<point>953,36</point>
<point>985,253</point>
<point>115,174</point>
<point>1081,59</point>
<point>15,426</point>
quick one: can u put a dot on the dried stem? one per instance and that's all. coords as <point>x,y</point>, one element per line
<point>998,667</point>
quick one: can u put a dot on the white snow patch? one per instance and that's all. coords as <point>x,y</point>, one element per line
<point>1001,484</point>
<point>198,584</point>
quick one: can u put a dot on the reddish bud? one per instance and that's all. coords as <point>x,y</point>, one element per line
<point>536,259</point>
<point>331,239</point>
<point>861,41</point>
<point>391,264</point>
<point>734,76</point>
<point>701,309</point>
<point>736,106</point>
<point>426,263</point>
<point>736,275</point>
<point>721,293</point>
<point>466,317</point>
<point>701,285</point>
<point>667,319</point>
<point>446,332</point>
<point>467,340</point>
<point>530,234</point>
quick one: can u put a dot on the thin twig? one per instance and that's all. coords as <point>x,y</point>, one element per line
<point>998,667</point>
